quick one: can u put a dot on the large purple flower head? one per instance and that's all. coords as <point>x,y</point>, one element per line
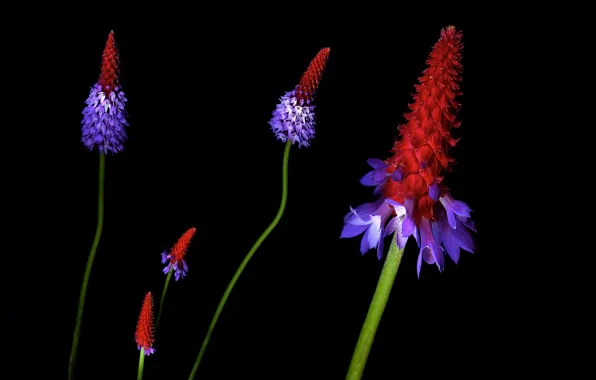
<point>294,116</point>
<point>104,117</point>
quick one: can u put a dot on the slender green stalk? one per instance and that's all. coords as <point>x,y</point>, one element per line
<point>375,312</point>
<point>100,206</point>
<point>163,296</point>
<point>282,207</point>
<point>141,364</point>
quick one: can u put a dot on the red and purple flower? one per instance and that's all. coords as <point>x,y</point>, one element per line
<point>294,117</point>
<point>104,117</point>
<point>175,258</point>
<point>413,199</point>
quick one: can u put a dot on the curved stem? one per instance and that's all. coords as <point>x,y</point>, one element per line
<point>141,364</point>
<point>163,296</point>
<point>77,332</point>
<point>375,312</point>
<point>284,198</point>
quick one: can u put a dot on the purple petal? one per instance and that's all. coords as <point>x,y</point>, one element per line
<point>397,175</point>
<point>408,223</point>
<point>446,238</point>
<point>468,222</point>
<point>419,264</point>
<point>364,243</point>
<point>351,230</point>
<point>366,208</point>
<point>368,180</point>
<point>427,255</point>
<point>374,232</point>
<point>454,207</point>
<point>401,240</point>
<point>416,237</point>
<point>376,163</point>
<point>379,175</point>
<point>380,247</point>
<point>463,238</point>
<point>429,246</point>
<point>408,226</point>
<point>433,191</point>
<point>391,226</point>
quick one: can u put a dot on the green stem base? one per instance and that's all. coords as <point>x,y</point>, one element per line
<point>141,364</point>
<point>375,312</point>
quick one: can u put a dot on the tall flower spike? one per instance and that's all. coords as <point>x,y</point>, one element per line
<point>176,255</point>
<point>144,333</point>
<point>414,201</point>
<point>294,116</point>
<point>104,117</point>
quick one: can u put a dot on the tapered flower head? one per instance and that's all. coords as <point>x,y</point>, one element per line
<point>104,117</point>
<point>413,199</point>
<point>175,258</point>
<point>144,333</point>
<point>294,116</point>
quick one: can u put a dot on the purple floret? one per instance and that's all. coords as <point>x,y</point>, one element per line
<point>104,121</point>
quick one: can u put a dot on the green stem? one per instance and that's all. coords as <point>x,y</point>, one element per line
<point>282,207</point>
<point>375,312</point>
<point>141,364</point>
<point>77,332</point>
<point>163,296</point>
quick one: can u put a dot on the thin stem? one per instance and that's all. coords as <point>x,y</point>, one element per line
<point>282,207</point>
<point>375,312</point>
<point>163,296</point>
<point>90,259</point>
<point>141,364</point>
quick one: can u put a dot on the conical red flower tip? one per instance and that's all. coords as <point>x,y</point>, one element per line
<point>312,76</point>
<point>144,332</point>
<point>110,65</point>
<point>421,155</point>
<point>179,249</point>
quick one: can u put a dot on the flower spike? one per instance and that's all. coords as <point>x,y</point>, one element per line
<point>144,333</point>
<point>177,254</point>
<point>413,199</point>
<point>104,117</point>
<point>294,116</point>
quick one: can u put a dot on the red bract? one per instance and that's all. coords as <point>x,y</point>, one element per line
<point>144,332</point>
<point>110,66</point>
<point>421,152</point>
<point>179,249</point>
<point>312,76</point>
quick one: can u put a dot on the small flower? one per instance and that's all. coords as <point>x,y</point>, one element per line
<point>294,116</point>
<point>413,200</point>
<point>144,333</point>
<point>104,117</point>
<point>176,255</point>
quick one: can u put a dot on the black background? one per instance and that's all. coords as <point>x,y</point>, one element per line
<point>200,153</point>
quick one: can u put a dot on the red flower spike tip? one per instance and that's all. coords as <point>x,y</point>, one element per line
<point>179,249</point>
<point>110,66</point>
<point>421,152</point>
<point>144,333</point>
<point>312,76</point>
